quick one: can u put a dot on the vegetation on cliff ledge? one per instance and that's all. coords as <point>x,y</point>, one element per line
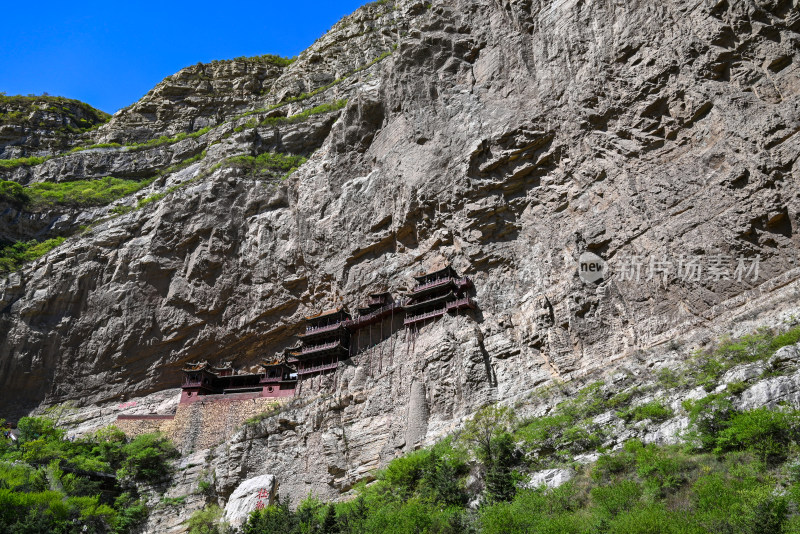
<point>743,478</point>
<point>270,121</point>
<point>13,256</point>
<point>78,193</point>
<point>731,471</point>
<point>65,114</point>
<point>52,484</point>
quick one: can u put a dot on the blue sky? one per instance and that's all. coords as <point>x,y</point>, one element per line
<point>111,53</point>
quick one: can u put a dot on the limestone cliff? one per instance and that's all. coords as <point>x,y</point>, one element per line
<point>505,137</point>
<point>33,126</point>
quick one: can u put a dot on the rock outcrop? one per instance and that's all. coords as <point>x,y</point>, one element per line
<point>33,126</point>
<point>505,137</point>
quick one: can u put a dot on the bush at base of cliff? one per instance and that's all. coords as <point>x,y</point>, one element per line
<point>145,458</point>
<point>209,521</point>
<point>275,518</point>
<point>49,483</point>
<point>768,433</point>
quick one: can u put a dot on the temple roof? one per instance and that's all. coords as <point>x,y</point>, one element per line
<point>274,363</point>
<point>444,271</point>
<point>327,313</point>
<point>199,366</point>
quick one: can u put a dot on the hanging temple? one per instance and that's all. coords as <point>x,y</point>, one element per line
<point>331,337</point>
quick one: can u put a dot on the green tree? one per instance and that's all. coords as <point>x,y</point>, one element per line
<point>275,518</point>
<point>500,474</point>
<point>145,458</point>
<point>487,424</point>
<point>208,521</point>
<point>329,524</point>
<point>33,428</point>
<point>488,432</point>
<point>766,432</point>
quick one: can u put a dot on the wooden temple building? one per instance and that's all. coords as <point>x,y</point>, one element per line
<point>435,294</point>
<point>202,381</point>
<point>334,335</point>
<point>325,340</point>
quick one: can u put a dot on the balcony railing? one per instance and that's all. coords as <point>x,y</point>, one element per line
<point>463,282</point>
<point>410,302</point>
<point>365,319</point>
<point>318,368</point>
<point>457,304</point>
<point>466,302</point>
<point>270,379</point>
<point>327,328</point>
<point>424,316</point>
<point>432,283</point>
<point>318,348</point>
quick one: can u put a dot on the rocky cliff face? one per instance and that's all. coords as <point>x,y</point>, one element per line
<point>506,137</point>
<point>40,125</point>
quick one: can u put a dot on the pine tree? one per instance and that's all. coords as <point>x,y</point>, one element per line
<point>329,525</point>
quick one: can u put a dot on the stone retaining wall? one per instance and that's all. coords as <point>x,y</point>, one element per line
<point>201,424</point>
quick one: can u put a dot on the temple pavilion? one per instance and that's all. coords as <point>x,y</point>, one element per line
<point>435,294</point>
<point>202,381</point>
<point>325,341</point>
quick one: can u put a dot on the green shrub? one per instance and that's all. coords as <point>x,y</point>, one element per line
<point>83,192</point>
<point>98,145</point>
<point>669,378</point>
<point>404,473</point>
<point>654,410</point>
<point>33,428</point>
<point>272,409</point>
<point>709,366</point>
<point>749,348</point>
<point>617,497</point>
<point>146,457</point>
<point>132,512</point>
<point>208,521</point>
<point>13,193</point>
<point>789,337</point>
<point>121,210</point>
<point>609,467</point>
<point>27,162</point>
<point>13,256</point>
<point>436,473</point>
<point>44,488</point>
<point>501,478</point>
<point>708,417</point>
<point>540,510</point>
<point>267,164</point>
<point>173,501</point>
<point>276,518</point>
<point>265,58</point>
<point>766,432</point>
<point>149,200</point>
<point>651,519</point>
<point>570,428</point>
<point>444,474</point>
<point>730,504</point>
<point>299,117</point>
<point>663,470</point>
<point>621,399</point>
